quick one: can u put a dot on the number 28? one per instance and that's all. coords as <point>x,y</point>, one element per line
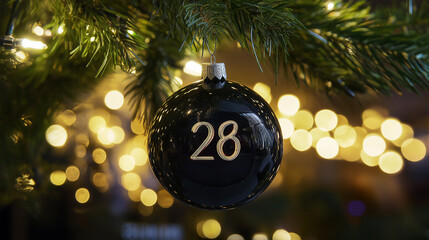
<point>220,143</point>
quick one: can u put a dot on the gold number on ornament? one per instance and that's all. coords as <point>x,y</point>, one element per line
<point>206,142</point>
<point>223,139</point>
<point>220,143</point>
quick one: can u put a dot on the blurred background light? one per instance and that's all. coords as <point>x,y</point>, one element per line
<point>391,129</point>
<point>326,120</point>
<point>148,197</point>
<point>264,90</point>
<point>193,68</point>
<point>356,208</point>
<point>211,229</point>
<point>281,234</point>
<point>288,104</point>
<point>287,127</point>
<point>56,135</point>
<point>327,147</point>
<point>301,140</point>
<point>413,150</point>
<point>57,178</point>
<point>374,145</point>
<point>114,100</point>
<point>82,195</point>
<point>390,162</point>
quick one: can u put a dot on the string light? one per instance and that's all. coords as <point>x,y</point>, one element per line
<point>38,30</point>
<point>193,68</point>
<point>60,29</point>
<point>26,43</point>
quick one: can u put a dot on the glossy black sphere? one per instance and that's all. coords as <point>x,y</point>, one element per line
<point>239,138</point>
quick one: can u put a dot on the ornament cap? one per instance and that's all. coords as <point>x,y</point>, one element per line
<point>213,75</point>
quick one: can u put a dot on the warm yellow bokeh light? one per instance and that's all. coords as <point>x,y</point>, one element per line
<point>99,155</point>
<point>390,162</point>
<point>106,136</point>
<point>413,149</point>
<point>360,135</point>
<point>264,90</point>
<point>374,145</point>
<point>326,120</point>
<point>137,127</point>
<point>80,151</point>
<point>57,177</point>
<point>135,195</point>
<point>317,134</point>
<point>288,104</point>
<point>38,30</point>
<point>407,133</point>
<point>303,120</point>
<point>130,181</point>
<point>126,163</point>
<point>351,153</point>
<point>294,236</point>
<point>119,134</point>
<point>27,43</point>
<point>372,119</point>
<point>100,179</point>
<point>301,140</point>
<point>327,147</point>
<point>72,173</point>
<point>260,236</point>
<point>68,117</point>
<point>211,229</point>
<point>345,135</point>
<point>56,135</point>
<point>96,123</point>
<point>193,68</point>
<point>281,234</point>
<point>368,160</point>
<point>148,197</point>
<point>391,129</point>
<point>114,99</point>
<point>165,200</point>
<point>342,120</point>
<point>287,127</point>
<point>140,156</point>
<point>82,195</point>
<point>330,6</point>
<point>235,237</point>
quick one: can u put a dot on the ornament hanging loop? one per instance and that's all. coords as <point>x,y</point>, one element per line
<point>212,54</point>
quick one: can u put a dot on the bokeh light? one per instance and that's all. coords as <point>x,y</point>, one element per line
<point>345,135</point>
<point>391,129</point>
<point>351,153</point>
<point>287,127</point>
<point>407,133</point>
<point>99,180</point>
<point>82,195</point>
<point>288,104</point>
<point>264,90</point>
<point>211,229</point>
<point>368,160</point>
<point>260,236</point>
<point>96,123</point>
<point>301,140</point>
<point>165,200</point>
<point>56,135</point>
<point>126,163</point>
<point>67,118</point>
<point>99,155</point>
<point>119,134</point>
<point>372,119</point>
<point>72,173</point>
<point>114,100</point>
<point>130,181</point>
<point>316,134</point>
<point>327,148</point>
<point>413,149</point>
<point>281,234</point>
<point>137,127</point>
<point>38,30</point>
<point>57,177</point>
<point>303,120</point>
<point>390,162</point>
<point>140,156</point>
<point>374,145</point>
<point>148,197</point>
<point>356,208</point>
<point>106,136</point>
<point>235,237</point>
<point>326,120</point>
<point>294,236</point>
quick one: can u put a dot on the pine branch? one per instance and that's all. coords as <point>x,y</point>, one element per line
<point>350,50</point>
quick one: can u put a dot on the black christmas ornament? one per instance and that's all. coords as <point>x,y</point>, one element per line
<point>215,144</point>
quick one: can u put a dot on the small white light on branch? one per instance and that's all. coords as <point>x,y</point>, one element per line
<point>26,43</point>
<point>193,68</point>
<point>330,6</point>
<point>60,29</point>
<point>38,30</point>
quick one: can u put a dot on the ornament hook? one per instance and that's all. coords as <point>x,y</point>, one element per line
<point>212,54</point>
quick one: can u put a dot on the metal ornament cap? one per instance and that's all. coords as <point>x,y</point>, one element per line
<point>213,75</point>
